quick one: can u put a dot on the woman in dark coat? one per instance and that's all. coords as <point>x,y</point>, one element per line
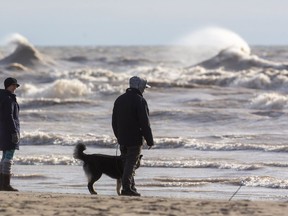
<point>9,131</point>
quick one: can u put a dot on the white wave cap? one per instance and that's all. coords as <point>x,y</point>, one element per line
<point>17,39</point>
<point>61,89</point>
<point>269,101</point>
<point>214,39</point>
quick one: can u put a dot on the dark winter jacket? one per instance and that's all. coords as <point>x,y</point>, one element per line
<point>130,119</point>
<point>9,120</point>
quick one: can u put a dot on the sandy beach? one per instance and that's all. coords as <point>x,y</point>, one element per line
<point>30,203</point>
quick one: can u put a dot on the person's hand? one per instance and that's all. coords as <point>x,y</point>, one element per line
<point>15,138</point>
<point>150,145</point>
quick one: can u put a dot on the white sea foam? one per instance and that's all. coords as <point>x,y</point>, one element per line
<point>48,159</point>
<point>251,181</point>
<point>61,88</point>
<point>196,163</point>
<point>269,101</point>
<point>44,138</point>
<point>266,181</point>
<point>66,88</point>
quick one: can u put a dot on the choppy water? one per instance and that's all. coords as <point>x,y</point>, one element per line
<point>219,122</point>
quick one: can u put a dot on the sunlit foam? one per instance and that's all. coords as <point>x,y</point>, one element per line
<point>61,89</point>
<point>66,88</point>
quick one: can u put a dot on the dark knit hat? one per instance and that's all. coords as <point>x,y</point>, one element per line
<point>10,81</point>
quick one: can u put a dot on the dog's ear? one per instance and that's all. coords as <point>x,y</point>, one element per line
<point>140,157</point>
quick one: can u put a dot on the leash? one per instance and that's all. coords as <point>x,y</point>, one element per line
<point>117,149</point>
<point>116,161</point>
<point>241,184</point>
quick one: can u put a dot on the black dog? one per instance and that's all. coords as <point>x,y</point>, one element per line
<point>97,164</point>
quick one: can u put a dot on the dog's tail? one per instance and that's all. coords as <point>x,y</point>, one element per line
<point>78,151</point>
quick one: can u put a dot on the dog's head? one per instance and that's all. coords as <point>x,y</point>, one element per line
<point>138,163</point>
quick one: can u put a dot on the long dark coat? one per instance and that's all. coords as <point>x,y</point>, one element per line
<point>9,120</point>
<point>130,119</point>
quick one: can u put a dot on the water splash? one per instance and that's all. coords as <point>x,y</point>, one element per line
<point>17,38</point>
<point>207,42</point>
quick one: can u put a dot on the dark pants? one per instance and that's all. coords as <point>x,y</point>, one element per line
<point>130,156</point>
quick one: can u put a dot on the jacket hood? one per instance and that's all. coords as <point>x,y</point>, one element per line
<point>137,91</point>
<point>138,83</point>
<point>4,93</point>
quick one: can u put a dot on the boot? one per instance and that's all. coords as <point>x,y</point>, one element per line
<point>6,183</point>
<point>129,192</point>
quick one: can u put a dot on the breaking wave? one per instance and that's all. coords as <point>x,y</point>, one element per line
<point>250,181</point>
<point>232,52</point>
<point>195,163</point>
<point>207,42</point>
<point>25,54</point>
<point>60,88</point>
<point>105,141</point>
<point>269,101</point>
<point>232,59</point>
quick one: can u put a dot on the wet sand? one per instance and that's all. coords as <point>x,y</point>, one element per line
<point>30,203</point>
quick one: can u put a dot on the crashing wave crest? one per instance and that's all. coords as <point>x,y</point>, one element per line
<point>237,59</point>
<point>25,54</point>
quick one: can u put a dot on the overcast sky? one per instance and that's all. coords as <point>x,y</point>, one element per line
<point>141,22</point>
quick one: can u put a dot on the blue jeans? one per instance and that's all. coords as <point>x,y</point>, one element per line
<point>8,154</point>
<point>6,161</point>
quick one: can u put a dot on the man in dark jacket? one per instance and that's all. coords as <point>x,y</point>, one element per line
<point>130,122</point>
<point>9,131</point>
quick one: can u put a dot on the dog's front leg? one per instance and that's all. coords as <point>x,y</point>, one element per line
<point>118,186</point>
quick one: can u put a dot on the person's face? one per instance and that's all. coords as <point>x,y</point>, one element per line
<point>12,88</point>
<point>142,86</point>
